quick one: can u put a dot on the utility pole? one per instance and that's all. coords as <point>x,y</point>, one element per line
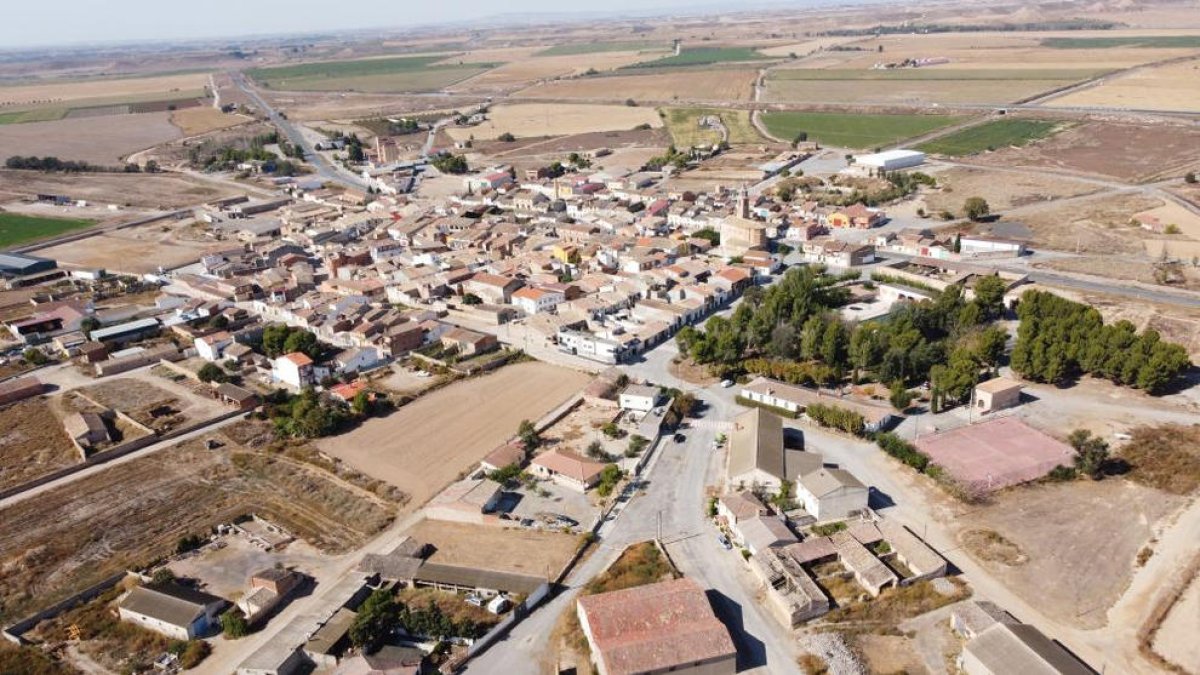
<point>660,539</point>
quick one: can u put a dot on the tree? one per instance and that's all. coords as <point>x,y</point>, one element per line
<point>899,396</point>
<point>609,477</point>
<point>302,341</point>
<point>88,325</point>
<point>472,299</point>
<point>506,137</point>
<point>1190,178</point>
<point>377,618</point>
<point>596,451</point>
<point>211,372</point>
<point>34,357</point>
<point>162,575</point>
<point>976,208</point>
<point>528,435</point>
<point>152,167</point>
<point>611,429</point>
<point>451,164</point>
<point>636,445</point>
<point>712,236</point>
<point>989,295</point>
<point>233,624</point>
<point>1092,452</point>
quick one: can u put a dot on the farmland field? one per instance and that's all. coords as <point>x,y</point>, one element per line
<point>853,130</point>
<point>410,73</point>
<point>556,119</point>
<point>99,140</point>
<point>521,551</point>
<point>683,123</point>
<point>159,191</point>
<point>134,250</point>
<point>702,85</point>
<point>1144,41</point>
<point>1000,133</point>
<point>18,229</point>
<point>426,444</point>
<point>32,442</point>
<point>918,85</point>
<point>95,92</point>
<point>201,120</point>
<point>597,47</point>
<point>519,71</point>
<point>1169,87</point>
<point>704,56</point>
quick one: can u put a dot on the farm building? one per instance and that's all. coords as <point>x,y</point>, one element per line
<point>756,456</point>
<point>268,588</point>
<point>1018,648</point>
<point>639,397</point>
<point>972,246</point>
<point>176,611</point>
<point>791,594</point>
<point>20,388</point>
<point>996,454</point>
<point>997,394</point>
<point>130,331</point>
<point>891,160</point>
<point>760,533</point>
<point>86,429</point>
<point>668,626</point>
<point>796,400</point>
<point>831,494</point>
<point>14,265</point>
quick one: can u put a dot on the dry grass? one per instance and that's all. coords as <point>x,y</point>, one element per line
<point>550,119</point>
<point>32,442</point>
<point>1165,457</point>
<point>519,550</point>
<point>140,190</point>
<point>1002,191</point>
<point>196,121</point>
<point>40,95</point>
<point>135,250</point>
<point>1093,225</point>
<point>702,85</point>
<point>812,664</point>
<point>129,515</point>
<point>452,605</point>
<point>1170,87</point>
<point>113,643</point>
<point>894,605</point>
<point>531,69</point>
<point>992,546</point>
<point>640,564</point>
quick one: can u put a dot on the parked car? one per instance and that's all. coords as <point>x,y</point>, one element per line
<point>726,383</point>
<point>724,541</point>
<point>679,438</point>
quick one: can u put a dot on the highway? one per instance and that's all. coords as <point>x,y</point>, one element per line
<point>327,170</point>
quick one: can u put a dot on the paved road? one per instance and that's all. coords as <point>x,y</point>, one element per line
<point>325,169</point>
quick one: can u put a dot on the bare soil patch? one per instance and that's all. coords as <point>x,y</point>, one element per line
<point>100,140</point>
<point>32,442</point>
<point>991,546</point>
<point>51,93</point>
<point>159,407</point>
<point>889,654</point>
<point>1176,637</point>
<point>131,514</point>
<point>1170,87</point>
<point>136,250</point>
<point>692,85</point>
<point>1002,191</point>
<point>1081,539</point>
<point>1128,152</point>
<point>532,69</point>
<point>553,119</point>
<point>1165,457</point>
<point>524,551</point>
<point>425,445</point>
<point>1145,271</point>
<point>691,372</point>
<point>1101,225</point>
<point>159,191</point>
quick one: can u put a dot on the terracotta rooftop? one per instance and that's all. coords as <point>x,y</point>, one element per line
<point>569,464</point>
<point>655,628</point>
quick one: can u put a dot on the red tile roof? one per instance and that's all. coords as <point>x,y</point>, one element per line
<point>655,628</point>
<point>298,358</point>
<point>569,464</point>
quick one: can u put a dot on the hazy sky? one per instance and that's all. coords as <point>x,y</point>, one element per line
<point>27,23</point>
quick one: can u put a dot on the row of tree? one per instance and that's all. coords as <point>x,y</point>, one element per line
<point>381,615</point>
<point>1058,340</point>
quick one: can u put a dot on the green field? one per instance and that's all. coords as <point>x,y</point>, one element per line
<point>997,134</point>
<point>409,73</point>
<point>849,130</point>
<point>910,74</point>
<point>18,229</point>
<point>35,115</point>
<point>598,47</point>
<point>683,124</point>
<point>703,56</point>
<point>1147,41</point>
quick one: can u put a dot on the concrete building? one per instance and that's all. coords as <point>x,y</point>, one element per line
<point>760,533</point>
<point>891,160</point>
<point>591,346</point>
<point>1006,648</point>
<point>268,588</point>
<point>87,429</point>
<point>665,627</point>
<point>536,300</point>
<point>176,611</point>
<point>796,400</point>
<point>638,397</point>
<point>831,494</point>
<point>997,394</point>
<point>791,594</point>
<point>979,246</point>
<point>756,457</point>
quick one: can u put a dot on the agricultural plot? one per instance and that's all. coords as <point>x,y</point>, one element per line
<point>410,73</point>
<point>1002,191</point>
<point>426,444</point>
<point>52,101</point>
<point>522,551</point>
<point>19,229</point>
<point>555,119</point>
<point>522,71</point>
<point>702,85</point>
<point>599,47</point>
<point>1169,87</point>
<point>704,56</point>
<point>1143,41</point>
<point>685,129</point>
<point>853,130</point>
<point>201,120</point>
<point>917,85</point>
<point>100,140</point>
<point>157,191</point>
<point>129,515</point>
<point>992,135</point>
<point>32,443</point>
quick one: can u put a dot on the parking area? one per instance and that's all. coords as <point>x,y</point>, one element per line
<point>548,500</point>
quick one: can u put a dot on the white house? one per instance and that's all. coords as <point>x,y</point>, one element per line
<point>356,359</point>
<point>831,494</point>
<point>639,397</point>
<point>590,346</point>
<point>176,611</point>
<point>212,347</point>
<point>294,369</point>
<point>537,300</point>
